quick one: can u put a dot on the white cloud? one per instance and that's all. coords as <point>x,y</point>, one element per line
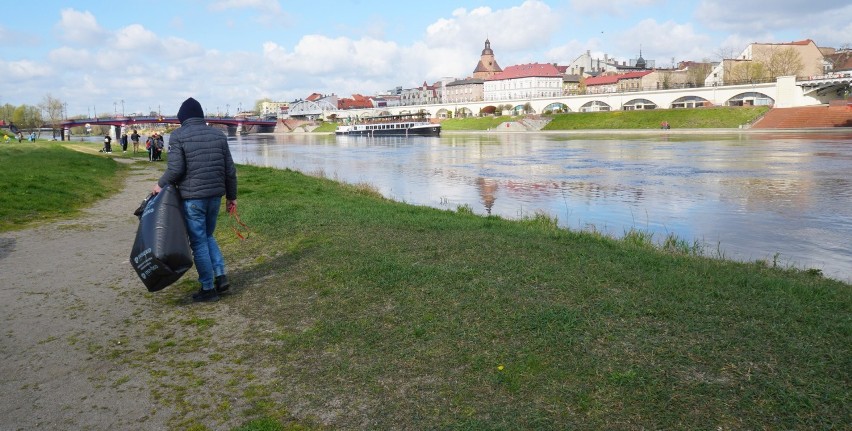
<point>568,52</point>
<point>66,57</point>
<point>610,7</point>
<point>79,27</point>
<point>780,20</point>
<point>655,39</point>
<point>135,37</point>
<point>320,55</point>
<point>18,39</point>
<point>269,11</point>
<point>22,70</point>
<point>515,29</point>
<point>271,6</point>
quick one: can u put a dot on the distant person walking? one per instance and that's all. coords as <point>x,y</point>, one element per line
<point>107,144</point>
<point>159,145</point>
<point>124,142</point>
<point>134,136</point>
<point>149,144</point>
<point>200,164</point>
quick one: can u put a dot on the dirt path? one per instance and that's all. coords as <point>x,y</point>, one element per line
<point>66,291</point>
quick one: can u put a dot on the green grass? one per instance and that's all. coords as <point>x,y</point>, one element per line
<point>480,123</point>
<point>376,312</point>
<point>44,181</point>
<point>722,117</point>
<point>419,318</point>
<point>326,127</point>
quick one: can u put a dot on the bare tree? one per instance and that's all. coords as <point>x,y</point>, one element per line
<point>746,71</point>
<point>726,53</point>
<point>581,87</point>
<point>783,62</point>
<point>53,112</point>
<point>6,112</point>
<point>697,73</point>
<point>667,79</point>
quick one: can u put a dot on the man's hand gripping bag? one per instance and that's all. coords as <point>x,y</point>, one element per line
<point>161,252</point>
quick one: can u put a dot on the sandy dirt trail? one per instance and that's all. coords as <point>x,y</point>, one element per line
<point>66,291</point>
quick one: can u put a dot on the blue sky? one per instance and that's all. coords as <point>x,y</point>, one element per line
<point>94,54</point>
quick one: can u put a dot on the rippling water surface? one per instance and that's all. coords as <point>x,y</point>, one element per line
<point>777,197</point>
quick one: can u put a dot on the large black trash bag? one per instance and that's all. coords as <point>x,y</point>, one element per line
<point>161,253</point>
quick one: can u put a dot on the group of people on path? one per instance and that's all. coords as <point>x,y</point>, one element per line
<point>18,134</point>
<point>154,145</point>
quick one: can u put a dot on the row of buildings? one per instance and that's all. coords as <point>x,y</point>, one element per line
<point>759,62</point>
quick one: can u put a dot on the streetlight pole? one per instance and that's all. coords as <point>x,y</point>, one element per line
<point>115,109</point>
<point>122,107</point>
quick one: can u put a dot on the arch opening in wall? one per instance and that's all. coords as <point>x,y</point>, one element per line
<point>526,108</point>
<point>639,104</point>
<point>690,102</point>
<point>463,113</point>
<point>556,108</point>
<point>751,98</point>
<point>444,113</point>
<point>595,106</point>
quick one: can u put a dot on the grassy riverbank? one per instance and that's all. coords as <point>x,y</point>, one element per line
<point>416,318</point>
<point>704,118</point>
<point>717,118</point>
<point>43,181</point>
<point>381,315</point>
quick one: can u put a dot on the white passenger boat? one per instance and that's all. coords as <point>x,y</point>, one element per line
<point>392,125</point>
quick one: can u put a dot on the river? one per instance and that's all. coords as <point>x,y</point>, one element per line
<point>779,197</point>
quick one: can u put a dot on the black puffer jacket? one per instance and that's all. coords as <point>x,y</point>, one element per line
<point>200,162</point>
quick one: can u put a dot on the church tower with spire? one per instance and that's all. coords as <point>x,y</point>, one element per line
<point>487,66</point>
<point>640,62</point>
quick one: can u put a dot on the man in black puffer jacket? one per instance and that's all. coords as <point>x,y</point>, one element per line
<point>201,166</point>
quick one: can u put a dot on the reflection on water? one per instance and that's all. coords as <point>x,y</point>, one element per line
<point>777,197</point>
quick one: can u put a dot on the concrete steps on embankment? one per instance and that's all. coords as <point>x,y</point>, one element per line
<point>530,124</point>
<point>806,117</point>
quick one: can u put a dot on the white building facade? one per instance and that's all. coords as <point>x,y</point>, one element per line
<point>525,81</point>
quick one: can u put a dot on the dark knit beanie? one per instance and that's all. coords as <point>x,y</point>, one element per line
<point>190,109</point>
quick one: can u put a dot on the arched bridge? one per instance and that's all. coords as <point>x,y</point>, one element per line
<point>238,124</point>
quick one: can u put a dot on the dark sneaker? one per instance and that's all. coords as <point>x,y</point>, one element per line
<point>205,295</point>
<point>221,283</point>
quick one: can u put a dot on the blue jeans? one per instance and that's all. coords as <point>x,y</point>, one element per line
<point>200,216</point>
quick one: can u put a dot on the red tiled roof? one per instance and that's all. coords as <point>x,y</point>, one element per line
<point>526,71</point>
<point>357,101</point>
<point>631,75</point>
<point>613,79</point>
<point>795,42</point>
<point>800,42</point>
<point>602,80</point>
